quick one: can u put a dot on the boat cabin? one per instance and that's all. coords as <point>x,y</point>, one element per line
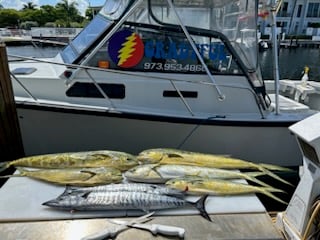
<point>198,44</point>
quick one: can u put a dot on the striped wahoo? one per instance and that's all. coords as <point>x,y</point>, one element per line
<point>125,187</point>
<point>100,201</point>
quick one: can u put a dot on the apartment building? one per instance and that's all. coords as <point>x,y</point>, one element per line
<point>296,17</point>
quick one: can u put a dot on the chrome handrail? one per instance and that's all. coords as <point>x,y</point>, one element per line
<point>195,49</point>
<point>172,80</point>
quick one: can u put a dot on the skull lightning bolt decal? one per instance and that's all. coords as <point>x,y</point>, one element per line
<point>126,49</point>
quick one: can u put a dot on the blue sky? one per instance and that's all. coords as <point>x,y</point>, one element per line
<point>18,4</point>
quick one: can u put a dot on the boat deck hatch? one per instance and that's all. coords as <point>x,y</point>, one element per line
<point>24,70</point>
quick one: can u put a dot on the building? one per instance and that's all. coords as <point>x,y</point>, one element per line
<point>296,17</point>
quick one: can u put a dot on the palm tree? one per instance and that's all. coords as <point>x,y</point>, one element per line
<point>67,10</point>
<point>29,5</point>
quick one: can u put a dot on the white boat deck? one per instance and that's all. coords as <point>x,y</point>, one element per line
<point>16,193</point>
<point>288,105</point>
<point>23,217</point>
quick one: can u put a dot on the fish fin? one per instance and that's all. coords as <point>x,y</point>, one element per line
<point>271,174</point>
<point>68,190</point>
<point>4,166</point>
<point>200,205</point>
<point>85,194</point>
<point>92,174</point>
<point>154,168</point>
<point>174,155</point>
<point>101,155</point>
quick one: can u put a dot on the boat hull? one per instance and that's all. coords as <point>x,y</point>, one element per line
<point>52,129</point>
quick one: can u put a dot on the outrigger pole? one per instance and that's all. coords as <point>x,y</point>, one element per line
<point>184,29</point>
<point>275,6</point>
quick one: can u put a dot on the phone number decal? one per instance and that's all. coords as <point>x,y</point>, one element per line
<point>174,67</point>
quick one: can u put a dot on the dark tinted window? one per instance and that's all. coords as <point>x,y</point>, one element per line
<point>186,94</point>
<point>89,90</point>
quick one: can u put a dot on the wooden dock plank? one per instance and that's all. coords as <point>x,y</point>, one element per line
<point>256,226</point>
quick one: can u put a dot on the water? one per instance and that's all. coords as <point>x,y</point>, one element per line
<point>291,61</point>
<point>34,51</point>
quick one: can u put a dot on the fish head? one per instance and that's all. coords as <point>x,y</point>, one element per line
<point>151,156</point>
<point>178,184</point>
<point>65,202</point>
<point>142,172</point>
<point>129,160</point>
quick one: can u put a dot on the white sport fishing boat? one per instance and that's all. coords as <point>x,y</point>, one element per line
<point>158,73</point>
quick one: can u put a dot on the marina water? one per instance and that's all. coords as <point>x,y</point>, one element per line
<point>291,61</point>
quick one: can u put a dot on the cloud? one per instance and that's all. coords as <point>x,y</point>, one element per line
<point>15,4</point>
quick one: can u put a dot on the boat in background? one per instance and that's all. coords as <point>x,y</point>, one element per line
<point>157,73</point>
<point>14,36</point>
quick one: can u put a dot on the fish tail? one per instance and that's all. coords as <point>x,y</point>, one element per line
<point>267,192</point>
<point>20,174</point>
<point>255,174</point>
<point>275,167</point>
<point>251,176</point>
<point>200,205</point>
<point>12,175</point>
<point>272,189</point>
<point>4,166</point>
<point>271,174</point>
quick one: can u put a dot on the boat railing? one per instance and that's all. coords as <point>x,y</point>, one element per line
<point>87,69</point>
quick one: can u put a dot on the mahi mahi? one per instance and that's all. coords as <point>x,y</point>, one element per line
<point>156,173</point>
<point>175,156</point>
<point>104,158</point>
<point>124,200</point>
<point>72,176</point>
<point>196,186</point>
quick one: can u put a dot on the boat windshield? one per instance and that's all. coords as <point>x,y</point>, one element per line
<point>111,11</point>
<point>235,19</point>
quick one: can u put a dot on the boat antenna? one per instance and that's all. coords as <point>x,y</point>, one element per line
<point>184,29</point>
<point>275,6</point>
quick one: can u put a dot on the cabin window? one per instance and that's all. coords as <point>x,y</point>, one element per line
<point>89,90</point>
<point>165,50</point>
<point>85,38</point>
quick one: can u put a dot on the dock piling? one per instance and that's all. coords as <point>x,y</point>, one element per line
<point>11,146</point>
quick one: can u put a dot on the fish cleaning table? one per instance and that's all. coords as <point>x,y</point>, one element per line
<point>22,216</point>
